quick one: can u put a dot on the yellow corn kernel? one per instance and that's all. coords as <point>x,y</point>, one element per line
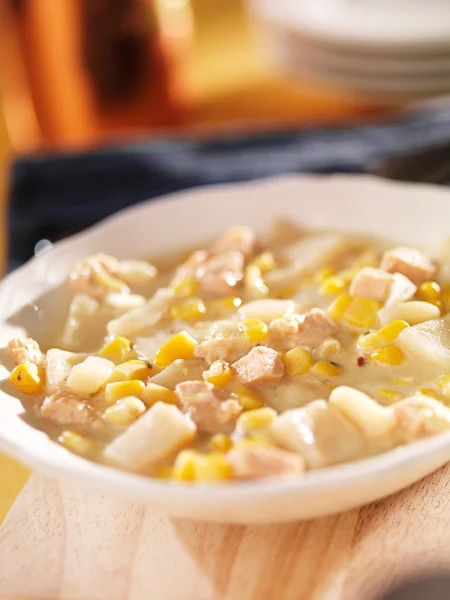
<point>164,472</point>
<point>248,399</point>
<point>333,285</point>
<point>188,309</point>
<point>329,348</point>
<point>260,418</point>
<point>443,384</point>
<point>338,307</point>
<point>390,355</point>
<point>431,393</point>
<point>219,373</point>
<point>254,283</point>
<point>125,411</point>
<point>429,291</point>
<point>217,308</point>
<point>403,381</point>
<point>323,274</point>
<point>181,345</point>
<point>28,378</point>
<point>439,304</point>
<point>362,312</point>
<point>213,467</point>
<point>347,274</point>
<point>326,369</point>
<point>122,389</point>
<point>184,466</point>
<point>131,369</point>
<point>76,443</point>
<point>265,262</point>
<point>384,336</point>
<point>185,287</point>
<point>387,396</point>
<point>252,441</point>
<point>254,330</point>
<point>116,350</point>
<point>297,361</point>
<point>221,442</point>
<point>153,393</point>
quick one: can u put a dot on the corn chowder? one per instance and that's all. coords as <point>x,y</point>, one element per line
<point>250,359</point>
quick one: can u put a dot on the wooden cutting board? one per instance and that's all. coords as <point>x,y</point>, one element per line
<point>59,542</point>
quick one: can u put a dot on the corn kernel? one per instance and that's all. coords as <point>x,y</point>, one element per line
<point>153,393</point>
<point>439,304</point>
<point>122,389</point>
<point>254,283</point>
<point>76,443</point>
<point>28,378</point>
<point>333,285</point>
<point>403,381</point>
<point>329,348</point>
<point>164,472</point>
<point>297,361</point>
<point>390,355</point>
<point>347,274</point>
<point>185,287</point>
<point>217,308</point>
<point>431,393</point>
<point>443,384</point>
<point>362,312</point>
<point>181,345</point>
<point>337,308</point>
<point>254,330</point>
<point>131,369</point>
<point>387,396</point>
<point>125,411</point>
<point>326,369</point>
<point>116,350</point>
<point>213,467</point>
<point>188,309</point>
<point>259,418</point>
<point>184,466</point>
<point>248,399</point>
<point>219,373</point>
<point>323,273</point>
<point>221,442</point>
<point>429,291</point>
<point>265,262</point>
<point>384,336</point>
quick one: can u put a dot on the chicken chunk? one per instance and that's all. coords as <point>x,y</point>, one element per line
<point>96,276</point>
<point>419,417</point>
<point>219,274</point>
<point>384,287</point>
<point>206,405</point>
<point>260,365</point>
<point>228,349</point>
<point>409,262</point>
<point>25,350</point>
<point>241,239</point>
<point>254,462</point>
<point>309,330</point>
<point>64,408</point>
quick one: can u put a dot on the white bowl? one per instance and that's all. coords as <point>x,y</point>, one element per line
<point>417,214</point>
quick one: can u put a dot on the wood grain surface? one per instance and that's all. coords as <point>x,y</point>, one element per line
<point>63,543</point>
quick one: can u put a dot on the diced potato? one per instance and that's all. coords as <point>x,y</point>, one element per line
<point>429,343</point>
<point>178,371</point>
<point>157,434</point>
<point>413,312</point>
<point>266,309</point>
<point>320,433</point>
<point>58,366</point>
<point>87,377</point>
<point>136,272</point>
<point>123,302</point>
<point>372,419</point>
<point>82,307</point>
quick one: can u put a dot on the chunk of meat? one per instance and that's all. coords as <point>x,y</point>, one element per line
<point>206,406</point>
<point>257,461</point>
<point>241,239</point>
<point>96,276</point>
<point>283,328</point>
<point>64,408</point>
<point>261,365</point>
<point>419,417</point>
<point>219,274</point>
<point>409,262</point>
<point>372,283</point>
<point>314,328</point>
<point>228,349</point>
<point>25,350</point>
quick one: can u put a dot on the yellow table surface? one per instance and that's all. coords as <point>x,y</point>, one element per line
<point>230,86</point>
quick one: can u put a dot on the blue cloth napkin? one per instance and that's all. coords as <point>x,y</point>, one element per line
<point>53,196</point>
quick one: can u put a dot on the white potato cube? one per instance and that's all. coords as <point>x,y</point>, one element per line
<point>266,310</point>
<point>160,432</point>
<point>138,320</point>
<point>413,312</point>
<point>58,366</point>
<point>136,272</point>
<point>87,377</point>
<point>123,302</point>
<point>429,343</point>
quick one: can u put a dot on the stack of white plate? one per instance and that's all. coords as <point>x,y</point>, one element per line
<point>381,47</point>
